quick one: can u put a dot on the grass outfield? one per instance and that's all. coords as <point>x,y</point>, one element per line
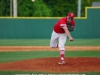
<point>46,42</point>
<point>42,73</point>
<point>17,56</point>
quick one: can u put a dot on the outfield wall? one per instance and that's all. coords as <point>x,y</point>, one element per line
<point>41,27</point>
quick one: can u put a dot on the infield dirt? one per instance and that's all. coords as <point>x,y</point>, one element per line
<point>51,65</point>
<point>47,48</point>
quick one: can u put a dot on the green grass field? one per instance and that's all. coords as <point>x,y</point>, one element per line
<point>45,42</point>
<point>16,56</point>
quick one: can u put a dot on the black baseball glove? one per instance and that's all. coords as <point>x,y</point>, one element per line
<point>70,27</point>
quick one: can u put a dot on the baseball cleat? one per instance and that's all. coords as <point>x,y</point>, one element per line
<point>61,62</point>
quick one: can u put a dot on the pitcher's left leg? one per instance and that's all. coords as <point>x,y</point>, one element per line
<point>62,41</point>
<point>54,40</point>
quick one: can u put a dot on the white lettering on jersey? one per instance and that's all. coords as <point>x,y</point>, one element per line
<point>61,25</point>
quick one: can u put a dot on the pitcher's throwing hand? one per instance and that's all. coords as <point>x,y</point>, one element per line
<point>71,39</point>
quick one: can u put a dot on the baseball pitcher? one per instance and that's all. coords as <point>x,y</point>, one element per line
<point>60,32</point>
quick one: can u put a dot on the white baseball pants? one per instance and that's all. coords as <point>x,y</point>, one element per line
<point>58,39</point>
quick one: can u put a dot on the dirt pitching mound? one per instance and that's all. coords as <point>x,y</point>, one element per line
<point>81,64</point>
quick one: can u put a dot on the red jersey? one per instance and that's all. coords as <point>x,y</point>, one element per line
<point>58,26</point>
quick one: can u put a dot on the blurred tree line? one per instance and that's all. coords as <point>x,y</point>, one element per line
<point>43,8</point>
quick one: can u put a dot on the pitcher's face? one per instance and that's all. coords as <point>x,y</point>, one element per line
<point>70,19</point>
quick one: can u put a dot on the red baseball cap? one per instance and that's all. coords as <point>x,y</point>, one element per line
<point>71,14</point>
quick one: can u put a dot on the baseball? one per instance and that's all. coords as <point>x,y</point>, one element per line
<point>33,0</point>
